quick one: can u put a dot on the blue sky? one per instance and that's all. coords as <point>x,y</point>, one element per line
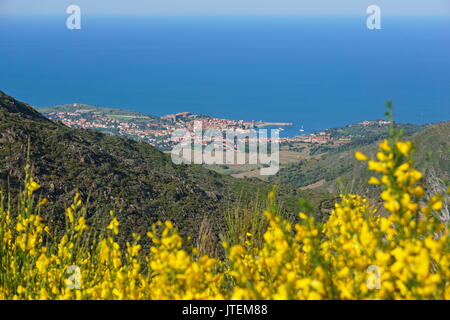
<point>277,7</point>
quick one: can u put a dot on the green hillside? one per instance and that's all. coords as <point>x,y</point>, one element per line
<point>338,171</point>
<point>136,180</point>
<point>362,134</point>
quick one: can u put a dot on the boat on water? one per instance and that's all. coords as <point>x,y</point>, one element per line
<point>302,130</point>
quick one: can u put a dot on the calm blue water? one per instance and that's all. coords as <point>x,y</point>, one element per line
<point>316,72</point>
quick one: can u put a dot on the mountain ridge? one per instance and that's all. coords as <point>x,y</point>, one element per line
<point>11,105</point>
<point>133,178</point>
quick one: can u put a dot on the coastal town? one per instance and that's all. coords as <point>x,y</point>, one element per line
<point>157,131</point>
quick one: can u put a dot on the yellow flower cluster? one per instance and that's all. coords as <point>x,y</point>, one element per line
<point>395,249</point>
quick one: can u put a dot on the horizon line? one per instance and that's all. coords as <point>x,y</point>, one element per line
<point>447,14</point>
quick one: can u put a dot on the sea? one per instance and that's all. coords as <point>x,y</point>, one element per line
<point>317,72</point>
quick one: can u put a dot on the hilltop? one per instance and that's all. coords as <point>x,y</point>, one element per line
<point>79,107</point>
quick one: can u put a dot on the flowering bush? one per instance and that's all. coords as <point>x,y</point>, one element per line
<point>398,250</point>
